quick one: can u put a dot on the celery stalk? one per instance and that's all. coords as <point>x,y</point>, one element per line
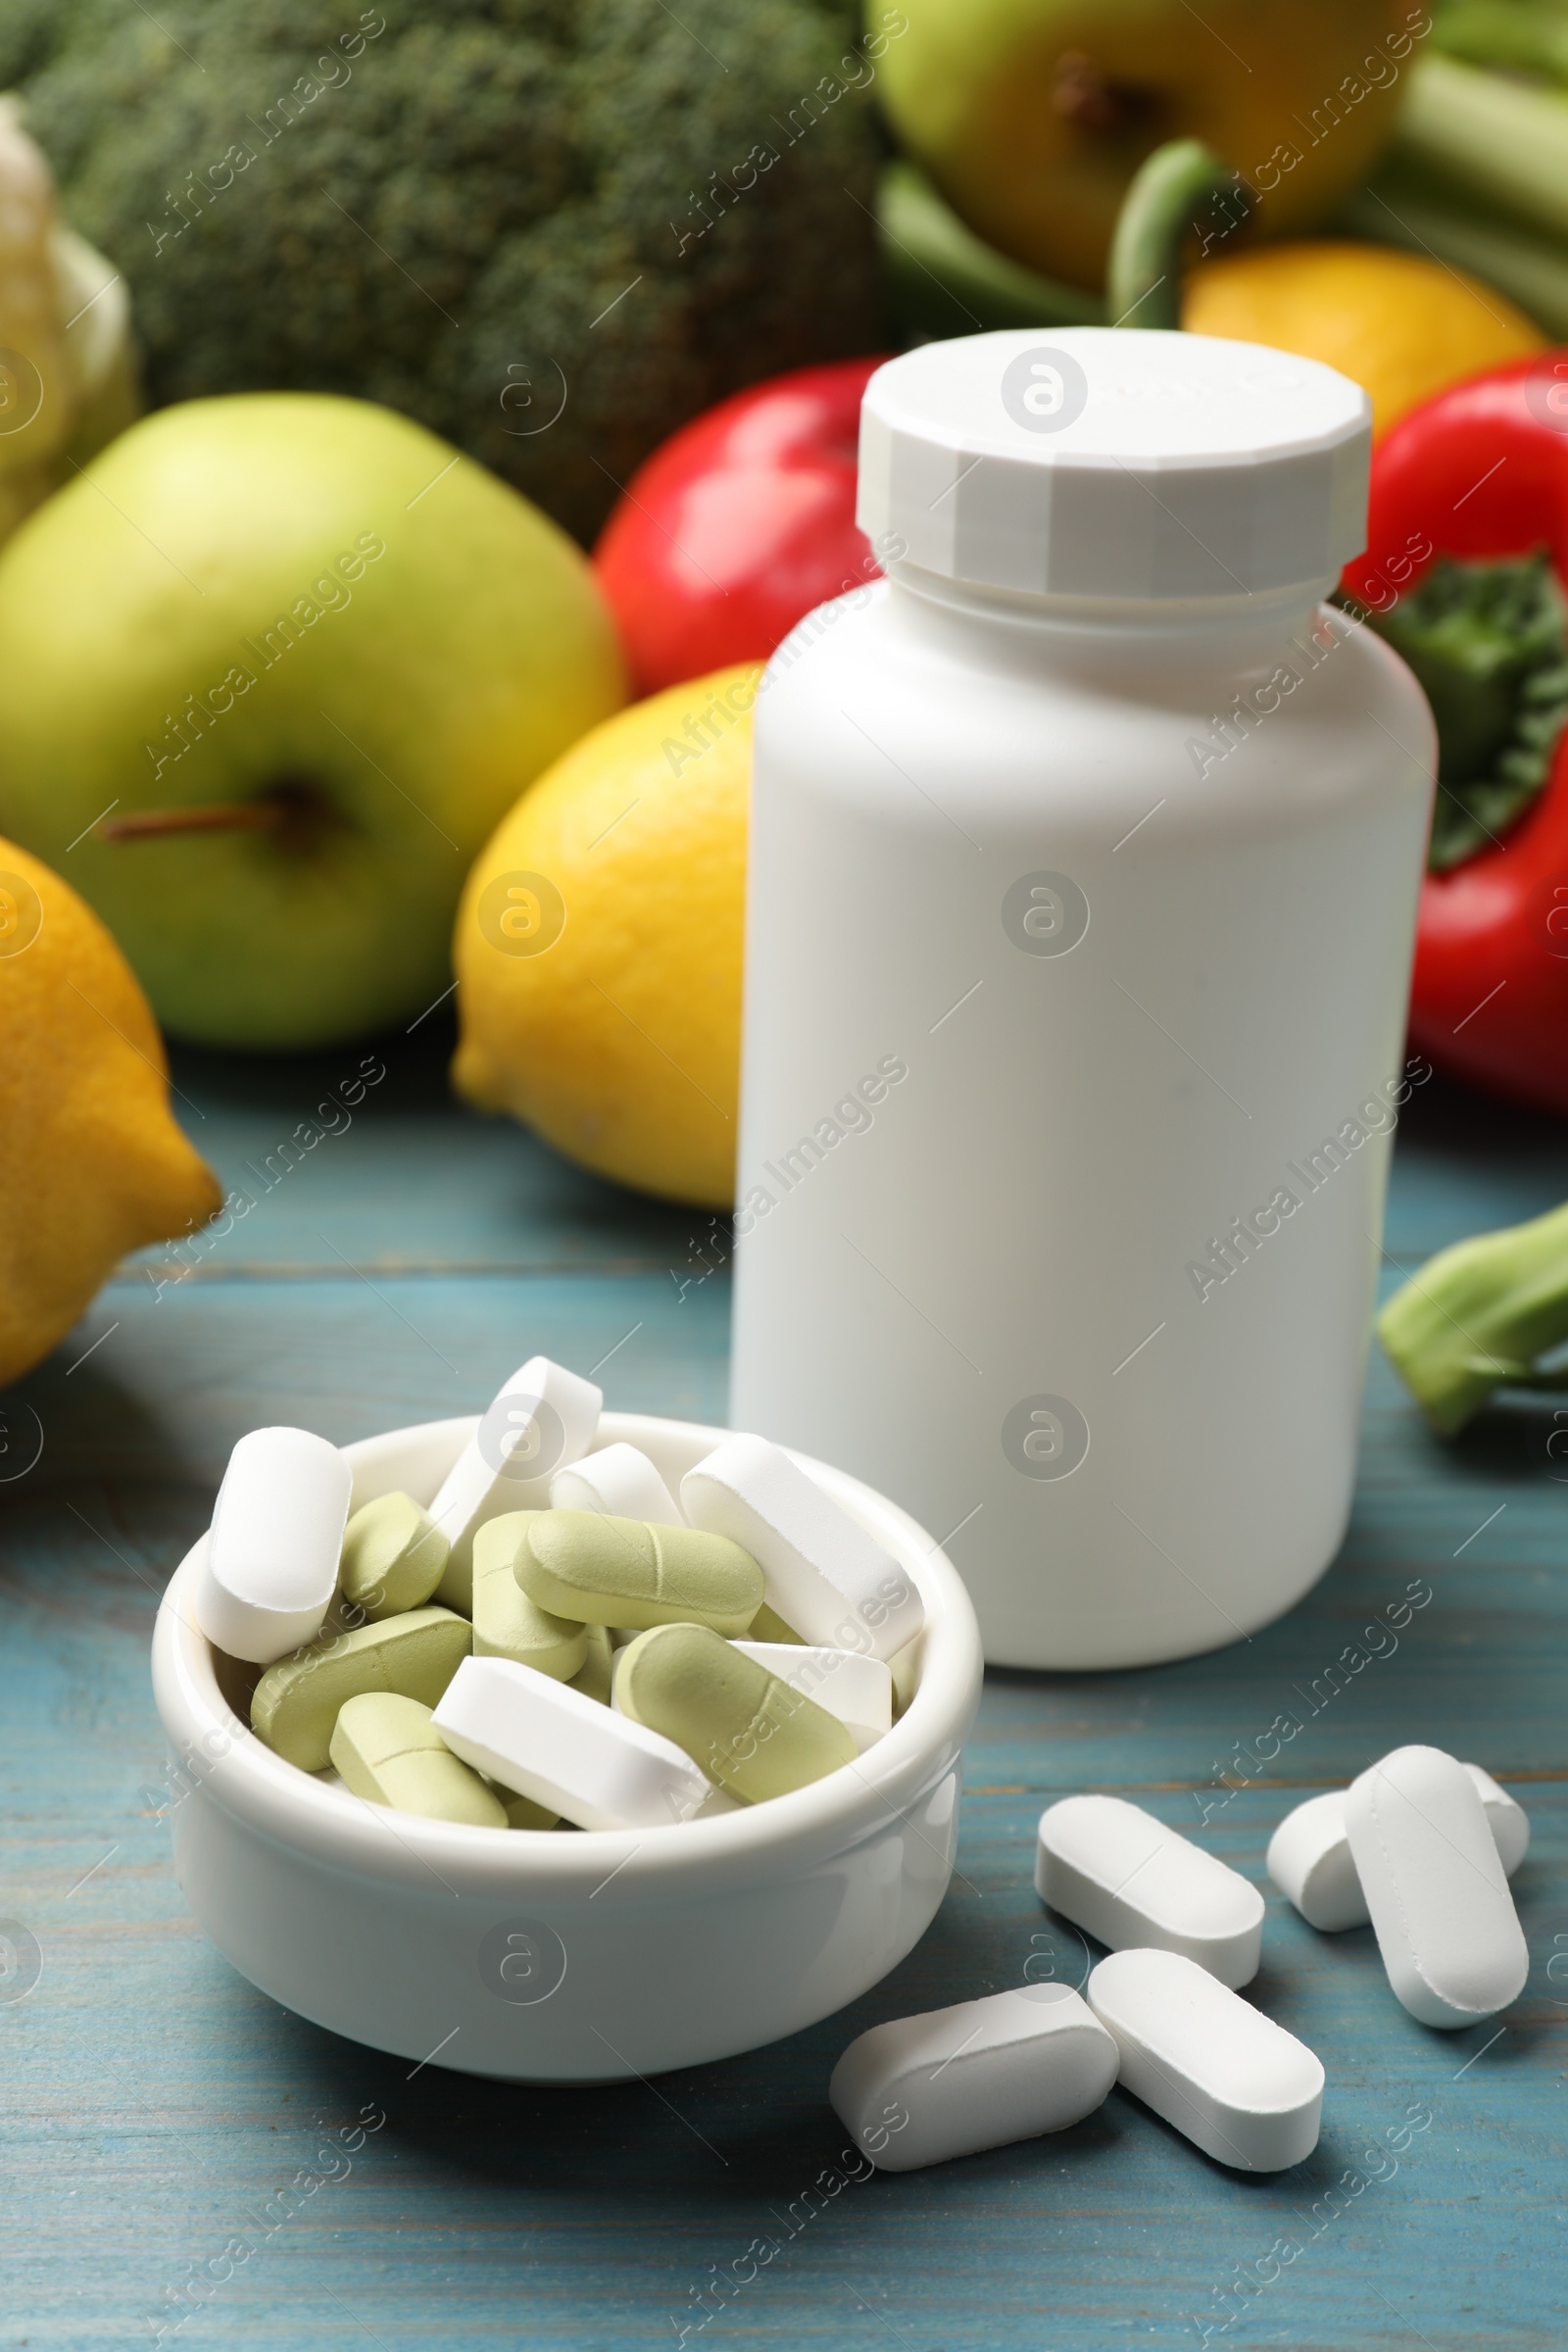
<point>1529,268</point>
<point>1519,37</point>
<point>1478,1317</point>
<point>1495,138</point>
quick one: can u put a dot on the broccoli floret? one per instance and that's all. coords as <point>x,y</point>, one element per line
<point>473,213</point>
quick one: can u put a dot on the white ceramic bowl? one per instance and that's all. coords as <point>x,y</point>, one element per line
<point>544,1956</point>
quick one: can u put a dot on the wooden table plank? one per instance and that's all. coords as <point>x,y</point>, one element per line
<point>156,2104</point>
<point>400,1176</point>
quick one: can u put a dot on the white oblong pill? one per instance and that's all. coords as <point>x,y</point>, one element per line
<point>920,2089</point>
<point>1310,1858</point>
<point>1113,1867</point>
<point>565,1751</point>
<point>823,1573</point>
<point>1233,2081</point>
<point>542,1419</point>
<point>1435,1886</point>
<point>1309,1861</point>
<point>270,1564</point>
<point>1506,1819</point>
<point>856,1687</point>
<point>618,1481</point>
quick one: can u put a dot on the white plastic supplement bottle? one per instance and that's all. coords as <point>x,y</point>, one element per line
<point>1084,865</point>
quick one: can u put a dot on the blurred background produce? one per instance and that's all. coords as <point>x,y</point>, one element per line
<point>584,212</point>
<point>1031,116</point>
<point>637,266</point>
<point>68,366</point>
<point>1400,324</point>
<point>1467,560</point>
<point>1482,1316</point>
<point>741,522</point>
<point>91,1163</point>
<point>321,655</point>
<point>599,944</point>
<point>1477,174</point>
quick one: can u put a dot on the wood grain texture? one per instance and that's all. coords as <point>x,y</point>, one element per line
<point>156,2104</point>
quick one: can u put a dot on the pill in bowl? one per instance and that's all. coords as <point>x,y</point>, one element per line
<point>543,1774</point>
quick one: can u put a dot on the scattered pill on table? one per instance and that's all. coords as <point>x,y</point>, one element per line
<point>1232,2080</point>
<point>542,1419</point>
<point>628,1572</point>
<point>506,1622</point>
<point>757,1736</point>
<point>1310,1862</point>
<point>618,1480</point>
<point>1309,1857</point>
<point>823,1575</point>
<point>1435,1887</point>
<point>1506,1819</point>
<point>296,1702</point>
<point>270,1564</point>
<point>568,1753</point>
<point>393,1558</point>
<point>1130,1880</point>
<point>919,2091</point>
<point>387,1750</point>
<point>856,1687</point>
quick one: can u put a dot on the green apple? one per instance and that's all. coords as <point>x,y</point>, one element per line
<point>1031,116</point>
<point>271,671</point>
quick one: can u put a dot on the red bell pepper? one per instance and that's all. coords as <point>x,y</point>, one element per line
<point>1467,546</point>
<point>738,526</point>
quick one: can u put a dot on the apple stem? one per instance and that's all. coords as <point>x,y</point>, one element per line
<point>217,816</point>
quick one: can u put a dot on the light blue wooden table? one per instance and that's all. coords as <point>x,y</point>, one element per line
<point>155,2105</point>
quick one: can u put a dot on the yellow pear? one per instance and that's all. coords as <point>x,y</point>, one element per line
<point>91,1161</point>
<point>598,946</point>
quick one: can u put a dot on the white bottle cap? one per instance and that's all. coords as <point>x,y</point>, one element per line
<point>1119,463</point>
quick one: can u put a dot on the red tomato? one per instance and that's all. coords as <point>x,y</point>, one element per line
<point>738,526</point>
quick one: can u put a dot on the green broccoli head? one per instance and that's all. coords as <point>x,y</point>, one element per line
<point>549,230</point>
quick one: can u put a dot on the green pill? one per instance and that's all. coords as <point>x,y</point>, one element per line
<point>388,1752</point>
<point>747,1730</point>
<point>296,1702</point>
<point>393,1557</point>
<point>593,1678</point>
<point>769,1626</point>
<point>506,1622</point>
<point>628,1572</point>
<point>524,1814</point>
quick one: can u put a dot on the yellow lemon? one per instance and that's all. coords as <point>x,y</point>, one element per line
<point>91,1163</point>
<point>599,941</point>
<point>1400,326</point>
